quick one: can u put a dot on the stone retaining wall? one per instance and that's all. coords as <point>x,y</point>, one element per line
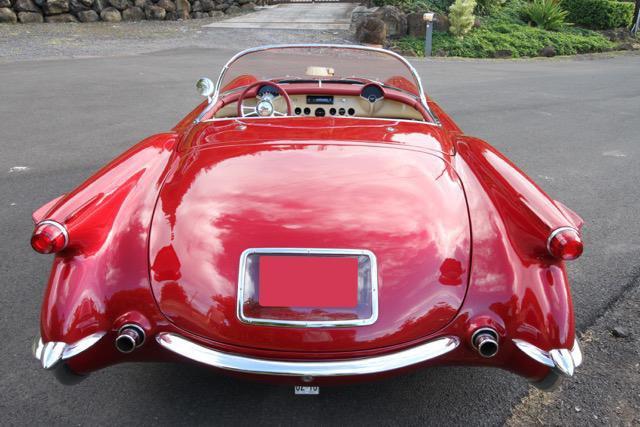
<point>32,11</point>
<point>397,24</point>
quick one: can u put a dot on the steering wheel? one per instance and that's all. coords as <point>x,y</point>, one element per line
<point>264,106</point>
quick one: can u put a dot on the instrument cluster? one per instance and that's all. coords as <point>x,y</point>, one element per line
<point>329,105</point>
<point>321,111</point>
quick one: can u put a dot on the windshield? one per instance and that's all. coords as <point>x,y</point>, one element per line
<point>344,64</point>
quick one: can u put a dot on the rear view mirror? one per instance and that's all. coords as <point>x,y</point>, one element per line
<point>205,87</point>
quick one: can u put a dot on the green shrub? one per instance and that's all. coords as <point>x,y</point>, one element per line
<point>546,14</point>
<point>511,12</point>
<point>599,14</point>
<point>417,5</point>
<point>487,7</point>
<point>520,40</point>
<point>461,17</point>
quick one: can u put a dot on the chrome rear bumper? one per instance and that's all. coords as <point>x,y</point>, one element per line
<point>52,356</point>
<point>362,366</point>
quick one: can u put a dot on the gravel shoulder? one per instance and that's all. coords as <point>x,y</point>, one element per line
<point>606,389</point>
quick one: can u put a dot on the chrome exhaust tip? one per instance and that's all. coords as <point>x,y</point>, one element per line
<point>485,341</point>
<point>129,338</point>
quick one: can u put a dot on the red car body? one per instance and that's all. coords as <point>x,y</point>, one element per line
<point>460,236</point>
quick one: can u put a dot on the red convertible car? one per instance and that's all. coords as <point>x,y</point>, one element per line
<point>316,220</point>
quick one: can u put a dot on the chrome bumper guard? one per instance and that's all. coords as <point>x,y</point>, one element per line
<point>52,355</point>
<point>562,360</point>
<point>362,366</point>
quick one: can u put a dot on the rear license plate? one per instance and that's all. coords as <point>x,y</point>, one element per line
<point>308,287</point>
<point>299,389</point>
<point>308,281</point>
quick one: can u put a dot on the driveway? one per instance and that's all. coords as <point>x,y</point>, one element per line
<point>571,124</point>
<point>294,16</point>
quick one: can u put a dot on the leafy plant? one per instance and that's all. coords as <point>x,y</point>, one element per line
<point>488,7</point>
<point>599,14</point>
<point>510,12</point>
<point>546,14</point>
<point>461,17</point>
<point>520,40</point>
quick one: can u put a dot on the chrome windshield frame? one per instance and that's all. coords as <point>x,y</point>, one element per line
<point>216,94</point>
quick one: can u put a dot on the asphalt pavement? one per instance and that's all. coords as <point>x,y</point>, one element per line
<point>571,124</point>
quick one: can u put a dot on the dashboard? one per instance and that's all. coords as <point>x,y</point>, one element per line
<point>366,101</point>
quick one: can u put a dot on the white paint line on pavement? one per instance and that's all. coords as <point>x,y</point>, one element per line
<point>614,153</point>
<point>545,177</point>
<point>18,169</point>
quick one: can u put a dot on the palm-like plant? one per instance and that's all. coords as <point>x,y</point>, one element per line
<point>546,14</point>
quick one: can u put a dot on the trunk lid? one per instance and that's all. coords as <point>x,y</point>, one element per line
<point>405,205</point>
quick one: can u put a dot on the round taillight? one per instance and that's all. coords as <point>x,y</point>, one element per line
<point>565,243</point>
<point>49,237</point>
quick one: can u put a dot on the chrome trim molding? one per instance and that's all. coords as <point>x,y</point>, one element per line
<point>212,102</point>
<point>311,323</point>
<point>416,76</point>
<point>362,366</point>
<point>535,353</point>
<point>555,232</point>
<point>562,360</point>
<point>51,353</point>
<point>59,226</point>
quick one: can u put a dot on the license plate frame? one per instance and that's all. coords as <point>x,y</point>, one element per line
<point>247,285</point>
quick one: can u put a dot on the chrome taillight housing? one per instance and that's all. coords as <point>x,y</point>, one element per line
<point>49,237</point>
<point>565,243</point>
